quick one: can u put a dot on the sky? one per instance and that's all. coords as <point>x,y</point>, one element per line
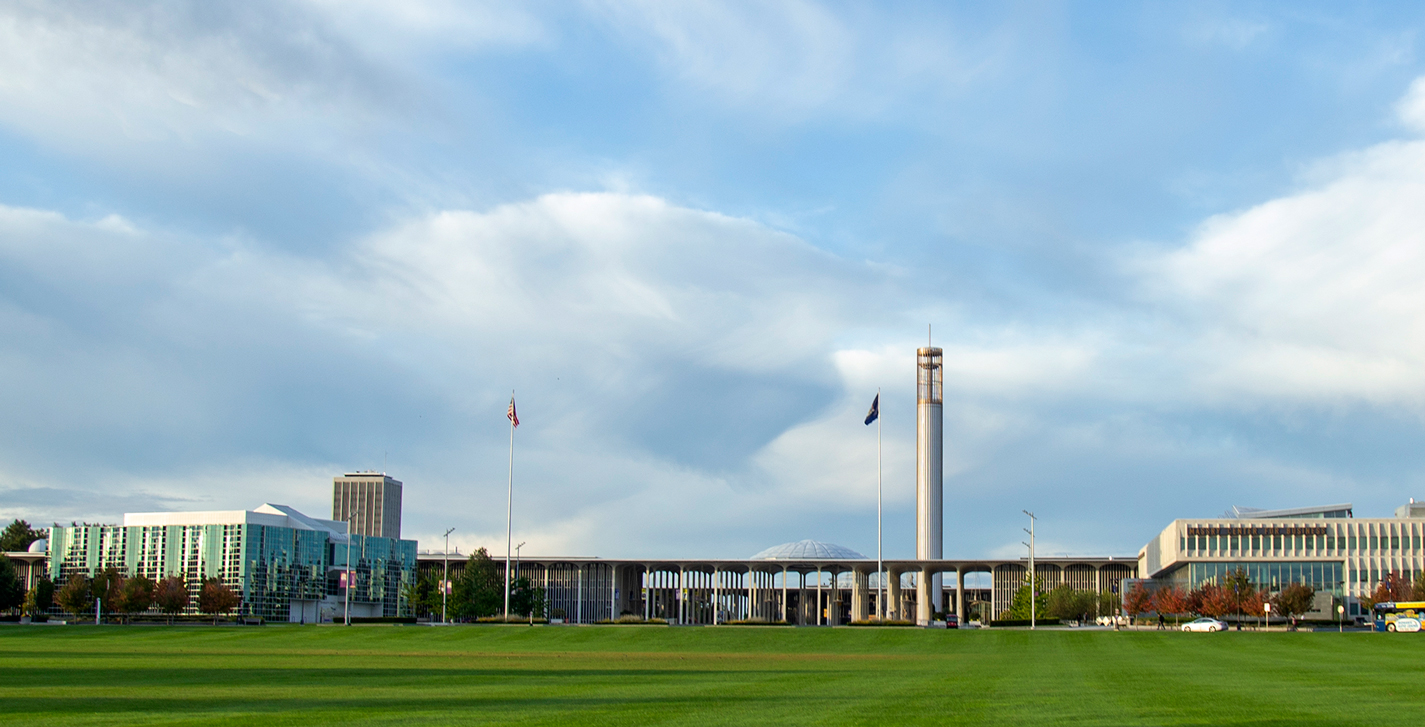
<point>1172,251</point>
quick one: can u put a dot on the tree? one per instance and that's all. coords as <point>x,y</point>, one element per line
<point>1293,601</point>
<point>526,600</point>
<point>40,597</point>
<point>1214,600</point>
<point>1417,592</point>
<point>1172,600</point>
<point>1137,601</point>
<point>1255,604</point>
<point>171,595</point>
<point>1393,588</point>
<point>479,591</point>
<point>423,596</point>
<point>215,599</point>
<point>1019,604</point>
<point>1239,588</point>
<point>12,591</point>
<point>108,586</point>
<point>17,537</point>
<point>76,596</point>
<point>135,595</point>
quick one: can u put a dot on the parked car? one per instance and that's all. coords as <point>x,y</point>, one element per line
<point>1205,624</point>
<point>952,621</point>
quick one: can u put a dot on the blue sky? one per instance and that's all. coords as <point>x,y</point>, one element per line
<point>1173,253</point>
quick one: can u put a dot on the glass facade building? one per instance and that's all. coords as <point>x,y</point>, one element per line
<point>1325,548</point>
<point>274,557</point>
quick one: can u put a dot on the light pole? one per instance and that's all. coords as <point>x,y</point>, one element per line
<point>445,579</point>
<point>1032,615</point>
<point>350,526</point>
<point>1340,618</point>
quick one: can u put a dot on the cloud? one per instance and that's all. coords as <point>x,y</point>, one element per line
<point>1411,107</point>
<point>108,76</point>
<point>1313,297</point>
<point>789,60</point>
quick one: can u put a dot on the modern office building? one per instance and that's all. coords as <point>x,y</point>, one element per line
<point>1326,548</point>
<point>285,565</point>
<point>370,501</point>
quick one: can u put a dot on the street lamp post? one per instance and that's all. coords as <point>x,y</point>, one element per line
<point>350,526</point>
<point>445,579</point>
<point>1033,616</point>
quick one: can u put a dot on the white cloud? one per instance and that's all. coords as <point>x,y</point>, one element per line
<point>107,76</point>
<point>1315,296</point>
<point>787,60</point>
<point>1411,108</point>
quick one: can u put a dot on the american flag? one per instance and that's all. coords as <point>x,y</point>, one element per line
<point>513,417</point>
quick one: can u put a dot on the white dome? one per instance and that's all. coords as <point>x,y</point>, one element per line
<point>39,546</point>
<point>808,550</point>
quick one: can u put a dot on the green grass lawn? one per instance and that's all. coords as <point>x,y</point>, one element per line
<point>639,675</point>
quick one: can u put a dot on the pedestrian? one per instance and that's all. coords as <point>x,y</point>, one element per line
<point>1162,623</point>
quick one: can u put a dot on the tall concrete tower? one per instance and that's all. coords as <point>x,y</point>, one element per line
<point>929,475</point>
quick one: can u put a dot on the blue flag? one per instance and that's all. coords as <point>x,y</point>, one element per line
<point>875,412</point>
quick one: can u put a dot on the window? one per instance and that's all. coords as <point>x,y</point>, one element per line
<point>1395,542</point>
<point>1236,542</point>
<point>1256,542</point>
<point>1276,542</point>
<point>1330,542</point>
<point>1373,544</point>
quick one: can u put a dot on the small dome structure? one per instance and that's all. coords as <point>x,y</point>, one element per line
<point>39,546</point>
<point>808,550</point>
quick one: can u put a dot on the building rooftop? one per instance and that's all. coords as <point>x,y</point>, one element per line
<point>808,550</point>
<point>1326,511</point>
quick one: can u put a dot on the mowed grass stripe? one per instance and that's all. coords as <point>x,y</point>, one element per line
<point>610,675</point>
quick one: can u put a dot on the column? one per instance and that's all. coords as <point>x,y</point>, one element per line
<point>960,594</point>
<point>647,590</point>
<point>926,599</point>
<point>579,590</point>
<point>818,596</point>
<point>717,600</point>
<point>893,595</point>
<point>860,590</point>
<point>682,595</point>
<point>786,614</point>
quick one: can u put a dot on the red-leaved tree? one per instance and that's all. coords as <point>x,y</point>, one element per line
<point>1172,600</point>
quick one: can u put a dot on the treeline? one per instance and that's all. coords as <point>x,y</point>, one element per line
<point>123,597</point>
<point>478,592</point>
<point>1234,596</point>
<point>1064,603</point>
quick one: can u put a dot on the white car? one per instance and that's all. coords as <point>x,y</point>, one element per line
<point>1205,624</point>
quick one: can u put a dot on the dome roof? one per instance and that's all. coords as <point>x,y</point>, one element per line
<point>808,550</point>
<point>39,546</point>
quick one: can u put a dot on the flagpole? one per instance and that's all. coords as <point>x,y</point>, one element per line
<point>880,568</point>
<point>509,508</point>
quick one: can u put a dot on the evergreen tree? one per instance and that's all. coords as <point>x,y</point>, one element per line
<point>12,592</point>
<point>40,598</point>
<point>17,537</point>
<point>479,591</point>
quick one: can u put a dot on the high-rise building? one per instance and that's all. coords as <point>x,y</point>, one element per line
<point>929,476</point>
<point>370,502</point>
